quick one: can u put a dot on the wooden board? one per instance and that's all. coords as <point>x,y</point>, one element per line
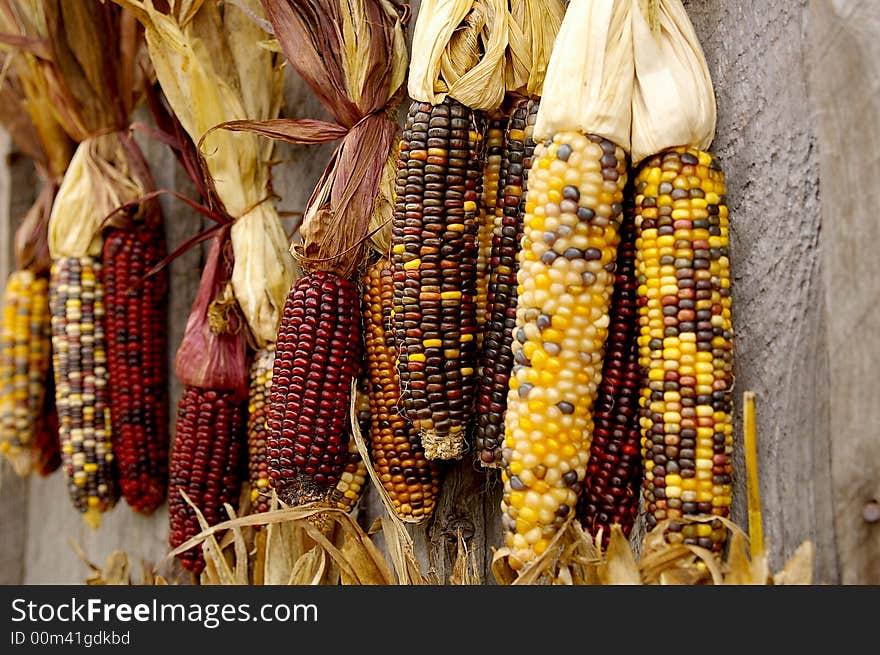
<point>845,60</point>
<point>803,290</point>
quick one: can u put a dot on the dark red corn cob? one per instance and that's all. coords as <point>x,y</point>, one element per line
<point>47,444</point>
<point>611,486</point>
<point>317,355</point>
<point>496,356</point>
<point>208,464</point>
<point>136,353</point>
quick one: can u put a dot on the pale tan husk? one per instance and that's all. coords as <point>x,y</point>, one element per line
<point>532,29</point>
<point>212,68</point>
<point>589,82</point>
<point>673,100</point>
<point>458,50</point>
<point>97,181</point>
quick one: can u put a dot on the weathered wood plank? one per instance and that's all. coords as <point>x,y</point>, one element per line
<point>16,194</point>
<point>845,60</point>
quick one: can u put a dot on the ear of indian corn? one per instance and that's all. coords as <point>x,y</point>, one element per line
<point>434,257</point>
<point>25,358</point>
<point>685,343</point>
<point>494,154</point>
<point>317,355</point>
<point>412,481</point>
<point>259,390</point>
<point>136,352</point>
<point>352,480</point>
<point>46,446</point>
<point>566,277</point>
<point>207,464</point>
<point>79,362</point>
<point>611,488</point>
<point>496,356</point>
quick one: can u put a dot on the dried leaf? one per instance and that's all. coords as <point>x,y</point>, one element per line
<point>532,30</point>
<point>673,101</point>
<point>458,50</point>
<point>619,567</point>
<point>589,83</point>
<point>798,570</point>
<point>464,570</point>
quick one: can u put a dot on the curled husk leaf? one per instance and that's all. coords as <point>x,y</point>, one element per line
<point>673,101</point>
<point>213,350</point>
<point>31,237</point>
<point>352,54</point>
<point>100,178</point>
<point>210,62</point>
<point>532,30</point>
<point>458,50</point>
<point>589,82</point>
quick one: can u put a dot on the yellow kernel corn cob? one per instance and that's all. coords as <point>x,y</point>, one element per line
<point>260,386</point>
<point>25,358</point>
<point>434,255</point>
<point>79,360</point>
<point>412,481</point>
<point>494,149</point>
<point>685,343</point>
<point>352,482</point>
<point>566,278</point>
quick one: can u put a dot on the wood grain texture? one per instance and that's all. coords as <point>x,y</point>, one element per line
<point>845,68</point>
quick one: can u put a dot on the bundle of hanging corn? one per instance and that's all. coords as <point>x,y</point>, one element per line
<point>456,75</point>
<point>682,239</point>
<point>574,207</point>
<point>28,420</point>
<point>353,56</point>
<point>532,26</point>
<point>213,68</point>
<point>110,392</point>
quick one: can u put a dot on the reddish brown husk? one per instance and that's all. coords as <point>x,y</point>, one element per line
<point>209,446</point>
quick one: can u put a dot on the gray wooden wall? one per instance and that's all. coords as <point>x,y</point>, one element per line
<point>798,133</point>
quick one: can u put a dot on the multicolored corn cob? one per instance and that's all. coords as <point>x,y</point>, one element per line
<point>352,481</point>
<point>317,355</point>
<point>25,360</point>
<point>494,149</point>
<point>496,356</point>
<point>412,481</point>
<point>207,464</point>
<point>79,361</point>
<point>259,390</point>
<point>567,263</point>
<point>136,351</point>
<point>434,257</point>
<point>685,343</point>
<point>614,472</point>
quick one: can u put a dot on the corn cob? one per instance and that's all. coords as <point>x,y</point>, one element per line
<point>79,361</point>
<point>317,356</point>
<point>611,488</point>
<point>496,355</point>
<point>46,446</point>
<point>412,482</point>
<point>258,403</point>
<point>207,464</point>
<point>685,343</point>
<point>434,257</point>
<point>495,136</point>
<point>352,480</point>
<point>25,358</point>
<point>136,325</point>
<point>566,276</point>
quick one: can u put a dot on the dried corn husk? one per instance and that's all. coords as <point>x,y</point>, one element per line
<point>210,62</point>
<point>212,352</point>
<point>589,82</point>
<point>352,53</point>
<point>532,29</point>
<point>673,101</point>
<point>458,50</point>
